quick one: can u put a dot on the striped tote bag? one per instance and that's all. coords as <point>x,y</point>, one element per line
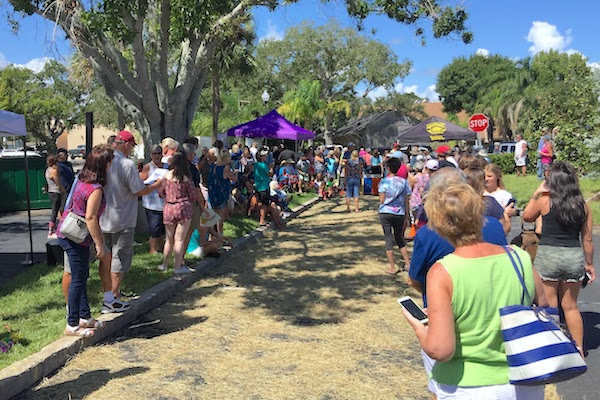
<point>537,349</point>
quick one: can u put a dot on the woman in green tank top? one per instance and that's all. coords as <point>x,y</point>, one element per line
<point>465,289</point>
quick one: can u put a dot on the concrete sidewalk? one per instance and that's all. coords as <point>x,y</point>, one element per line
<point>21,375</point>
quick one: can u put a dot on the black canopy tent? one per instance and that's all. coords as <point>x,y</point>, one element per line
<point>436,129</point>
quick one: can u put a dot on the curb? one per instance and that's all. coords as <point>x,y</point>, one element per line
<point>23,374</point>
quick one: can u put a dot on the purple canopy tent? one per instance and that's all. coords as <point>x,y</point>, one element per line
<point>271,126</point>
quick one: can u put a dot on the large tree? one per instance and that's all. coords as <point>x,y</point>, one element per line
<point>47,99</point>
<point>346,64</point>
<point>130,44</point>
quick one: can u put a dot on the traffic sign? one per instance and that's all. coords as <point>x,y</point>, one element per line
<point>479,122</point>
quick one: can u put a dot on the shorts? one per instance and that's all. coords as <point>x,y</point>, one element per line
<point>521,162</point>
<point>428,363</point>
<point>555,263</point>
<point>156,227</point>
<point>303,176</point>
<point>67,266</point>
<point>121,246</point>
<point>546,166</point>
<point>264,197</point>
<point>352,187</point>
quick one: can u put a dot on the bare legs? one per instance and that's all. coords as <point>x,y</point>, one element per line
<point>175,242</point>
<point>566,293</point>
<point>156,244</point>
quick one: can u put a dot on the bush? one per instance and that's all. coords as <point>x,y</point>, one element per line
<point>506,162</point>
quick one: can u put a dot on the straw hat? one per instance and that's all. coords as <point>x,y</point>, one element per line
<point>209,218</point>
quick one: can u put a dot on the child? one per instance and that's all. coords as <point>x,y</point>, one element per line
<point>330,189</point>
<point>278,196</point>
<point>320,185</point>
<point>179,193</point>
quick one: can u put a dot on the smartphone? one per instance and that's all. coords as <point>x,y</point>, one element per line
<point>414,309</point>
<point>512,201</point>
<point>586,280</point>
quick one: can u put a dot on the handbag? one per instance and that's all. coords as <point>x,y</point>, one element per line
<point>538,351</point>
<point>73,226</point>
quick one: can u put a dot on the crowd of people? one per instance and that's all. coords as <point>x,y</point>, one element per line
<point>455,201</point>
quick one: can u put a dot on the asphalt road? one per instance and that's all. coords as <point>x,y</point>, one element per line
<point>14,250</point>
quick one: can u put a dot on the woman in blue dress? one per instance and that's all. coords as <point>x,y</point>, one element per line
<point>220,176</point>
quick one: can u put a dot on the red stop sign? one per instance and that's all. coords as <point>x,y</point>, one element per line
<point>479,122</point>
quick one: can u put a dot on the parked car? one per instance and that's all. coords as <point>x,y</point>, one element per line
<point>507,147</point>
<point>78,152</point>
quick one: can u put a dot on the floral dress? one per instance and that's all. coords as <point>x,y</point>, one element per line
<point>179,197</point>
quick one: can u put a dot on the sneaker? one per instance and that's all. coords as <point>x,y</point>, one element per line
<point>52,236</point>
<point>115,306</point>
<point>162,267</point>
<point>183,270</point>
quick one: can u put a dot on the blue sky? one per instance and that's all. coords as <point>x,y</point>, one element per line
<point>512,28</point>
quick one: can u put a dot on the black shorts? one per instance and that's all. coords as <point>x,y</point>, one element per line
<point>264,197</point>
<point>156,227</point>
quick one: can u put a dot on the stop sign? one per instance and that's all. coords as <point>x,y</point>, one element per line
<point>479,122</point>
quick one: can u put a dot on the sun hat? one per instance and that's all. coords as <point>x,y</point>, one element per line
<point>283,162</point>
<point>414,150</point>
<point>126,136</point>
<point>482,153</point>
<point>209,218</point>
<point>350,144</point>
<point>432,165</point>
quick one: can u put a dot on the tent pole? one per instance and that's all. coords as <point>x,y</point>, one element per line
<point>28,202</point>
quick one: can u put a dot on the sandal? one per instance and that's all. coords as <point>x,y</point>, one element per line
<point>79,331</point>
<point>91,323</point>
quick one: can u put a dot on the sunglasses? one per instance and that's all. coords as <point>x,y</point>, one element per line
<point>157,153</point>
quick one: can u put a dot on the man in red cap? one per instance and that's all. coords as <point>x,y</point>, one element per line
<point>445,154</point>
<point>119,219</point>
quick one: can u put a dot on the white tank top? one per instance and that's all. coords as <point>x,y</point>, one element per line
<point>153,201</point>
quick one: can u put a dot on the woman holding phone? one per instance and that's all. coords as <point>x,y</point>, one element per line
<point>562,260</point>
<point>465,289</point>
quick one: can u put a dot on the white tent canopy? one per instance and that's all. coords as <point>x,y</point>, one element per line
<point>12,124</point>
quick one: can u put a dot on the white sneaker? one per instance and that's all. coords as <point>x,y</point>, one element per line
<point>115,306</point>
<point>162,267</point>
<point>182,271</point>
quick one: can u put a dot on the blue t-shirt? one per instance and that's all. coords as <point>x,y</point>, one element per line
<point>429,247</point>
<point>396,190</point>
<point>330,163</point>
<point>493,208</point>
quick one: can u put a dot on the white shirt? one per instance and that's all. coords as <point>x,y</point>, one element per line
<point>502,196</point>
<point>519,150</point>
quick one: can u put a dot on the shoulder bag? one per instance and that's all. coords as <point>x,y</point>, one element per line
<point>538,350</point>
<point>73,226</point>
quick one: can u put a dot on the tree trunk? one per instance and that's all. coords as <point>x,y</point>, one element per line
<point>216,103</point>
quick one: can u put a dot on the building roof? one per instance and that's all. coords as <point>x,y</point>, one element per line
<point>437,110</point>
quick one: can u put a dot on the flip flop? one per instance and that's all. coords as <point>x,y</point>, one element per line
<point>91,323</point>
<point>392,273</point>
<point>80,332</point>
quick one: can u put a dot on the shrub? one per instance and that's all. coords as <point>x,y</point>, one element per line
<point>506,162</point>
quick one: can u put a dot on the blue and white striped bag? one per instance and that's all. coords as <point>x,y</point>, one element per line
<point>537,349</point>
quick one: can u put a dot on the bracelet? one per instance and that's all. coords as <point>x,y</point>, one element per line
<point>535,197</point>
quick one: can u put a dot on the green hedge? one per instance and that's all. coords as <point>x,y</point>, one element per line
<point>506,162</point>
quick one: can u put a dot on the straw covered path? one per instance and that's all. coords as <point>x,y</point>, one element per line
<point>307,313</point>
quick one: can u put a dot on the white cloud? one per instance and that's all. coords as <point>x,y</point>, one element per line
<point>429,93</point>
<point>36,65</point>
<point>595,66</point>
<point>377,93</point>
<point>545,37</point>
<point>482,52</point>
<point>273,32</point>
<point>3,61</point>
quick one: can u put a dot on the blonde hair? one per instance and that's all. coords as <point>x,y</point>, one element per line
<point>224,156</point>
<point>475,178</point>
<point>354,155</point>
<point>235,148</point>
<point>169,143</point>
<point>455,212</point>
<point>494,169</point>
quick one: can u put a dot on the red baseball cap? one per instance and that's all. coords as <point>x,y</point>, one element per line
<point>126,136</point>
<point>443,150</point>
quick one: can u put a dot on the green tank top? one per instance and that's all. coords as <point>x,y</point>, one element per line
<point>481,286</point>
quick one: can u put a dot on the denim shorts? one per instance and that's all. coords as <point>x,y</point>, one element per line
<point>352,187</point>
<point>555,263</point>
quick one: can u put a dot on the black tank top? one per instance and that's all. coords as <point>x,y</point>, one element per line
<point>554,234</point>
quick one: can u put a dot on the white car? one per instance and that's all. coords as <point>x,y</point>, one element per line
<point>10,153</point>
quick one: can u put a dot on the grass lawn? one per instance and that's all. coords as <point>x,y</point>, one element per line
<point>523,187</point>
<point>33,304</point>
